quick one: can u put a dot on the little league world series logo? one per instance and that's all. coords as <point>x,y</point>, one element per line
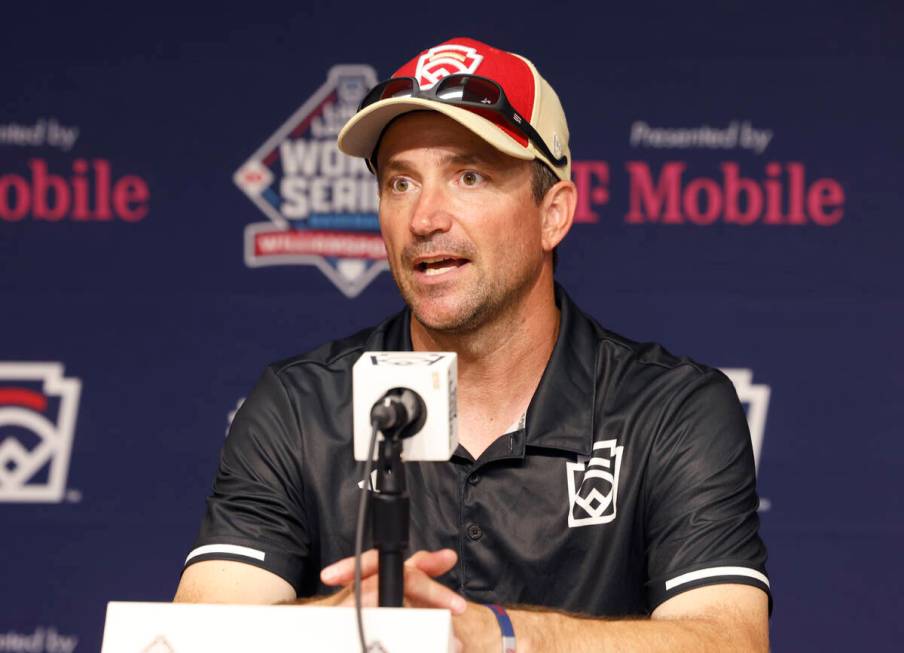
<point>321,204</point>
<point>38,408</point>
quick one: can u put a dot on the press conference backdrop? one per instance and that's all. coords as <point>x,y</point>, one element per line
<point>174,215</point>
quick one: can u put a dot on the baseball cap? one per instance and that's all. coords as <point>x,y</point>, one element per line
<point>527,92</point>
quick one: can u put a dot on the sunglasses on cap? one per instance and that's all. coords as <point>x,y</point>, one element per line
<point>465,91</point>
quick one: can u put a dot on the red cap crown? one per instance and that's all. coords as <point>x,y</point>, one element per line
<point>530,95</point>
<point>468,56</point>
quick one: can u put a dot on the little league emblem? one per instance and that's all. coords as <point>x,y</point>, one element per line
<point>445,60</point>
<point>593,485</point>
<point>322,204</point>
<point>38,408</point>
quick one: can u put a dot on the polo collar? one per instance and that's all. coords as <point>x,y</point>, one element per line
<point>561,412</point>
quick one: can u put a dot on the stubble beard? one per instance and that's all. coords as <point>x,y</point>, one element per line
<point>470,309</point>
<point>463,313</point>
<point>454,310</point>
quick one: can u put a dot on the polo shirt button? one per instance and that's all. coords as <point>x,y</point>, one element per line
<point>475,532</point>
<point>474,479</point>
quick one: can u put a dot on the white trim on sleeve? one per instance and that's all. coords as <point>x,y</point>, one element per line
<point>715,571</point>
<point>231,549</point>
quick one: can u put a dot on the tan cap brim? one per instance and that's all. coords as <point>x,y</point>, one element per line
<point>361,133</point>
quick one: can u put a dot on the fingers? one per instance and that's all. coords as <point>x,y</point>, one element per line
<point>345,597</point>
<point>420,588</point>
<point>342,572</point>
<point>433,563</point>
<point>424,592</point>
<point>421,591</point>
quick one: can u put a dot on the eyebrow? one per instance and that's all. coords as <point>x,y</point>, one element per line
<point>400,165</point>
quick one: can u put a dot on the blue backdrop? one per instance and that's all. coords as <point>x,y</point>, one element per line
<point>740,174</point>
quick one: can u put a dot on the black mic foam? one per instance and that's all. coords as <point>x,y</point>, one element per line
<point>401,411</point>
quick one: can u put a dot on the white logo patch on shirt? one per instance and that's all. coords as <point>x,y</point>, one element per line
<point>593,485</point>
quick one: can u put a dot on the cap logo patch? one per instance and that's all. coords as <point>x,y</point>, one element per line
<point>445,60</point>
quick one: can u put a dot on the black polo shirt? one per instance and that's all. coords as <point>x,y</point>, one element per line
<point>632,480</point>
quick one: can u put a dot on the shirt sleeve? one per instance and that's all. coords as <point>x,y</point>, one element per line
<point>702,524</point>
<point>256,512</point>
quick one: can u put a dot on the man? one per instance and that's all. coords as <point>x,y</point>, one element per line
<point>595,477</point>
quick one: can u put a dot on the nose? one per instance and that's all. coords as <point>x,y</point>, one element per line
<point>432,212</point>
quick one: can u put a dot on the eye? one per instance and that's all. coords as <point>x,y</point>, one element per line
<point>471,178</point>
<point>400,185</point>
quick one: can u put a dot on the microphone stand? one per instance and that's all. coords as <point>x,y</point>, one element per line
<point>390,519</point>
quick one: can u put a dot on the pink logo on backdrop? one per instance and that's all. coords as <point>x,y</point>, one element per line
<point>779,194</point>
<point>88,192</point>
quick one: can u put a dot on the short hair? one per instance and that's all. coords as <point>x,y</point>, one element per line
<point>542,179</point>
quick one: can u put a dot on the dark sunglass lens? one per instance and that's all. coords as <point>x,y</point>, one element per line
<point>450,88</point>
<point>388,89</point>
<point>471,90</point>
<point>397,88</point>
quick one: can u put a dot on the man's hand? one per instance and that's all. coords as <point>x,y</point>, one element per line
<point>714,618</point>
<point>475,627</point>
<point>420,590</point>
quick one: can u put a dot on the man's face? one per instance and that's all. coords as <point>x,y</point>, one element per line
<point>462,230</point>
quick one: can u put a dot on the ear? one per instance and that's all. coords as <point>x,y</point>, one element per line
<point>557,211</point>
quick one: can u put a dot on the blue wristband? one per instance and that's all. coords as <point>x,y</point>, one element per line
<point>505,625</point>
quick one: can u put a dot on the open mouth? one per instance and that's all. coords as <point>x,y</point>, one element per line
<point>439,265</point>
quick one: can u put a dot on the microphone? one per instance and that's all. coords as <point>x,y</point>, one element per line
<point>400,411</point>
<point>408,395</point>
